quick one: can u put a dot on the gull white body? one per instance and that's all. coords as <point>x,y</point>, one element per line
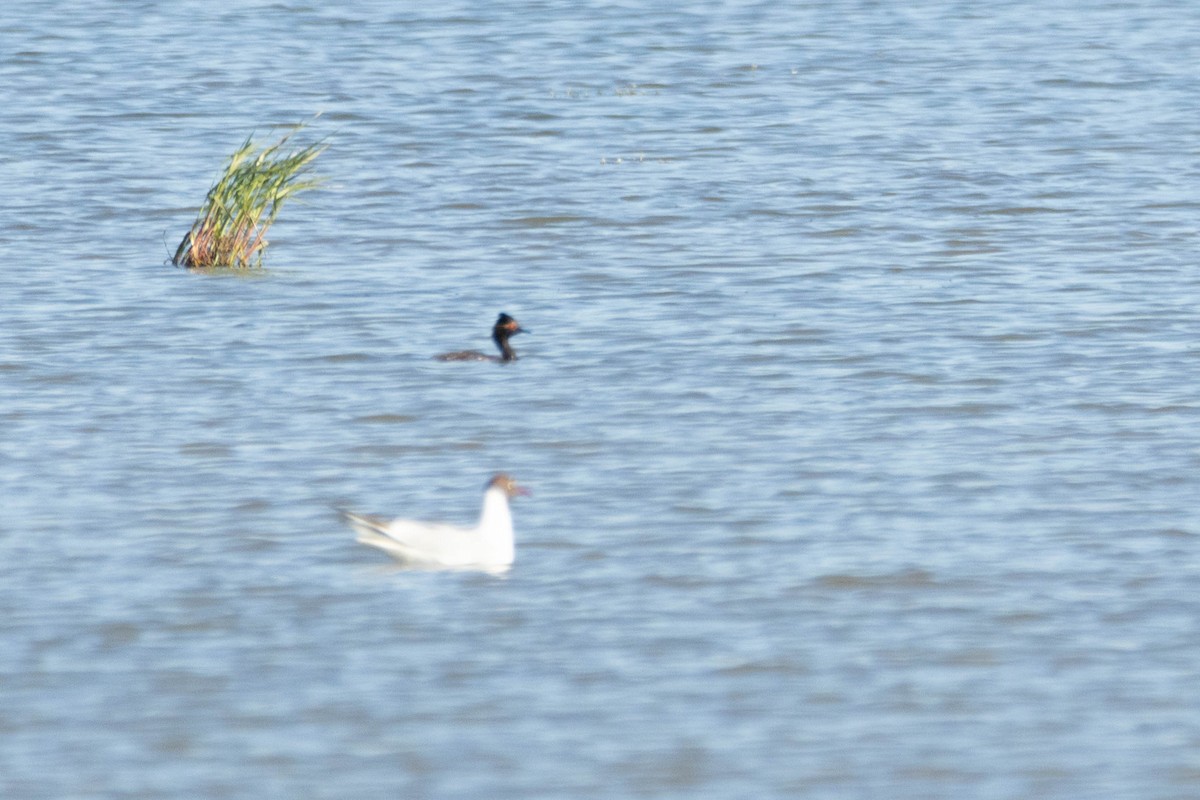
<point>488,545</point>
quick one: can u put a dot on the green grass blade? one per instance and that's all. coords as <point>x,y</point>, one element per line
<point>230,228</point>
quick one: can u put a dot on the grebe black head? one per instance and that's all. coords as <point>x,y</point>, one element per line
<point>504,328</point>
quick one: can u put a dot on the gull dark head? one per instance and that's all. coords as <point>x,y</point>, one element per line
<point>506,484</point>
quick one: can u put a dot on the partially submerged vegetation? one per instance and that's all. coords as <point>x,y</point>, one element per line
<point>231,227</point>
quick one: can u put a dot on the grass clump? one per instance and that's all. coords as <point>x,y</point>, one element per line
<point>231,227</point>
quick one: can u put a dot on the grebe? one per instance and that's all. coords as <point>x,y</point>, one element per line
<point>505,327</point>
<point>488,545</point>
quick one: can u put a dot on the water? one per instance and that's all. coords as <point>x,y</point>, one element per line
<point>860,409</point>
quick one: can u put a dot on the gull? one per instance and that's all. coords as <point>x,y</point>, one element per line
<point>487,545</point>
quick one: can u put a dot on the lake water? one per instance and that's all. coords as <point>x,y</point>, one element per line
<point>861,408</point>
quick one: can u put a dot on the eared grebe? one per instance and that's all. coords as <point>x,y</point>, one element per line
<point>489,545</point>
<point>505,327</point>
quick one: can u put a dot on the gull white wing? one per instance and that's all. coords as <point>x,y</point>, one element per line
<point>417,542</point>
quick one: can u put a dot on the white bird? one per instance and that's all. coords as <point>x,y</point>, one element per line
<point>488,545</point>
